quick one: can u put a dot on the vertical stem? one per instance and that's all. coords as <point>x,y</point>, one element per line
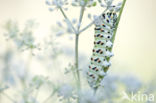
<point>77,51</point>
<point>81,16</point>
<point>77,65</point>
<point>124,1</point>
<point>65,16</point>
<point>77,61</point>
<point>114,34</point>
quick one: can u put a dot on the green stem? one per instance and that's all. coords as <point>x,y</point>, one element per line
<point>81,16</point>
<point>77,61</point>
<point>76,51</point>
<point>90,24</point>
<point>65,16</point>
<point>118,20</point>
<point>77,64</point>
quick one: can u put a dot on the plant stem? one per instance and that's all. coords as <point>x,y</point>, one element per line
<point>77,61</point>
<point>85,28</point>
<point>76,47</point>
<point>77,51</point>
<point>65,16</point>
<point>114,34</point>
<point>81,16</point>
<point>77,65</point>
<point>121,10</point>
<point>90,24</point>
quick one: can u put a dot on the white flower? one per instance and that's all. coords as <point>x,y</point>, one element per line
<point>120,4</point>
<point>66,91</point>
<point>109,2</point>
<point>60,33</point>
<point>97,20</point>
<point>59,23</point>
<point>88,97</point>
<point>82,3</point>
<point>74,20</point>
<point>56,4</point>
<point>89,16</point>
<point>87,3</point>
<point>109,88</point>
<point>132,83</point>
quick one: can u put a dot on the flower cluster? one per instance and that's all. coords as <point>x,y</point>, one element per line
<point>54,4</point>
<point>88,97</point>
<point>104,30</point>
<point>88,3</point>
<point>109,5</point>
<point>23,39</point>
<point>65,91</point>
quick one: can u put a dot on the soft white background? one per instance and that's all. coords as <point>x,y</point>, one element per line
<point>135,44</point>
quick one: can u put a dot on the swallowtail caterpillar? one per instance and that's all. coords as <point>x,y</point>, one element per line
<point>101,53</point>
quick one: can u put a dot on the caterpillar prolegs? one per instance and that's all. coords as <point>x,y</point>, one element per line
<point>104,30</point>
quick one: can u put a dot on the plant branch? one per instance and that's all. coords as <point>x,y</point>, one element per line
<point>90,24</point>
<point>120,13</point>
<point>76,46</point>
<point>114,34</point>
<point>85,28</point>
<point>81,16</point>
<point>65,16</point>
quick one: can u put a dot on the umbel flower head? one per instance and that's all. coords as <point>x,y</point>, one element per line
<point>104,30</point>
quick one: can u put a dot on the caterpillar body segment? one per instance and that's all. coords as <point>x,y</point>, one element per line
<point>104,31</point>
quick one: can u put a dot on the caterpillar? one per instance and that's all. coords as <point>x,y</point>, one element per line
<point>99,63</point>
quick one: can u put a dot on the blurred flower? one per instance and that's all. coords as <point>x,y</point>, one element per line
<point>65,91</point>
<point>7,75</point>
<point>110,82</point>
<point>20,70</point>
<point>38,81</point>
<point>132,83</point>
<point>29,99</point>
<point>89,16</point>
<point>88,97</point>
<point>59,33</point>
<point>109,88</point>
<point>59,24</point>
<point>23,39</point>
<point>55,4</point>
<point>3,87</point>
<point>109,2</point>
<point>88,3</point>
<point>74,20</point>
<point>109,5</point>
<point>97,20</point>
<point>12,29</point>
<point>68,51</point>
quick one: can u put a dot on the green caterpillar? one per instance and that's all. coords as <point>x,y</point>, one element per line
<point>102,48</point>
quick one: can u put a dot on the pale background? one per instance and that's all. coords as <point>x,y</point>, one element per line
<point>135,44</point>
